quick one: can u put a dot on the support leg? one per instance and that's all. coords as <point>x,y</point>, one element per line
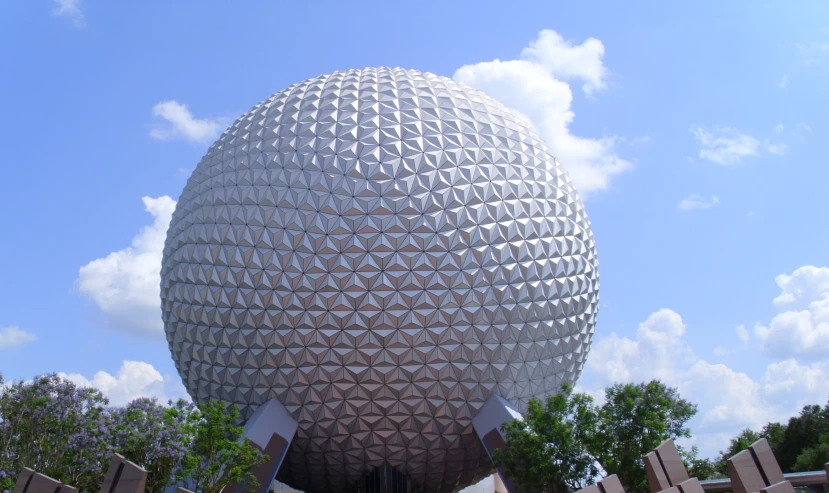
<point>271,428</point>
<point>487,424</point>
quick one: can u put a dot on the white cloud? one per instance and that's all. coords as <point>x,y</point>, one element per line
<point>533,86</point>
<point>134,379</point>
<point>182,124</point>
<point>724,145</point>
<point>728,400</point>
<point>777,149</point>
<point>568,61</point>
<point>721,351</point>
<point>13,337</point>
<point>801,130</point>
<point>801,328</point>
<point>812,52</point>
<point>695,201</point>
<point>70,10</point>
<point>125,285</point>
<point>803,127</point>
<point>784,82</point>
<point>742,333</point>
<point>779,128</point>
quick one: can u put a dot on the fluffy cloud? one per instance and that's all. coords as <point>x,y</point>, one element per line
<point>801,328</point>
<point>13,337</point>
<point>568,61</point>
<point>695,201</point>
<point>134,379</point>
<point>125,285</point>
<point>778,149</point>
<point>742,333</point>
<point>728,400</point>
<point>181,124</point>
<point>724,145</point>
<point>70,10</point>
<point>534,86</point>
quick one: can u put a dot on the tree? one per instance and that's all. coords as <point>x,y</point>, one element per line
<point>56,428</point>
<point>775,434</point>
<point>814,457</point>
<point>546,450</point>
<point>735,446</point>
<point>802,433</point>
<point>219,454</point>
<point>698,468</point>
<point>633,421</point>
<point>155,437</point>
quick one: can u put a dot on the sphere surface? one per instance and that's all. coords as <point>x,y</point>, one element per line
<point>381,250</point>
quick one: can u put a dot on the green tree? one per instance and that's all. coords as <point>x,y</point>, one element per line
<point>775,434</point>
<point>735,446</point>
<point>546,450</point>
<point>802,432</point>
<point>814,457</point>
<point>220,454</point>
<point>633,421</point>
<point>697,467</point>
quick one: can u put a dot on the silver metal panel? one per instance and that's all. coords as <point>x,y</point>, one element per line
<point>381,250</point>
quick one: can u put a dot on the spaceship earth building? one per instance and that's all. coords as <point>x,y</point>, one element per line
<point>381,250</point>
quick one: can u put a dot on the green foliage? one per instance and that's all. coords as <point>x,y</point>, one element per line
<point>813,458</point>
<point>6,481</point>
<point>633,421</point>
<point>803,432</point>
<point>547,450</point>
<point>800,445</point>
<point>698,468</point>
<point>559,443</point>
<point>775,434</point>
<point>219,454</point>
<point>737,445</point>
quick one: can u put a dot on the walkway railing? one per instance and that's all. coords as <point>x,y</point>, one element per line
<point>814,480</point>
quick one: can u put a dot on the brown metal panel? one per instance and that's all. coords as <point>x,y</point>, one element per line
<point>23,480</point>
<point>671,462</point>
<point>124,476</point>
<point>766,461</point>
<point>690,486</point>
<point>611,484</point>
<point>657,479</point>
<point>744,474</point>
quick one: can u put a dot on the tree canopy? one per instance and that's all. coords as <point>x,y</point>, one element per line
<point>547,450</point>
<point>562,442</point>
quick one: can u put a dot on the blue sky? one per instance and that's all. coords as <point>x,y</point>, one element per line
<point>695,132</point>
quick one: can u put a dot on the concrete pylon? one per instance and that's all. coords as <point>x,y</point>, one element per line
<point>271,428</point>
<point>487,423</point>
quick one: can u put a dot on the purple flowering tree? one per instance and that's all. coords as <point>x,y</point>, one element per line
<point>6,481</point>
<point>56,428</point>
<point>154,436</point>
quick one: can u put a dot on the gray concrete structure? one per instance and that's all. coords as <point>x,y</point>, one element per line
<point>381,251</point>
<point>488,422</point>
<point>271,428</point>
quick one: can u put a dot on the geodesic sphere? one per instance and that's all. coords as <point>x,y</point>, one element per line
<point>381,250</point>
